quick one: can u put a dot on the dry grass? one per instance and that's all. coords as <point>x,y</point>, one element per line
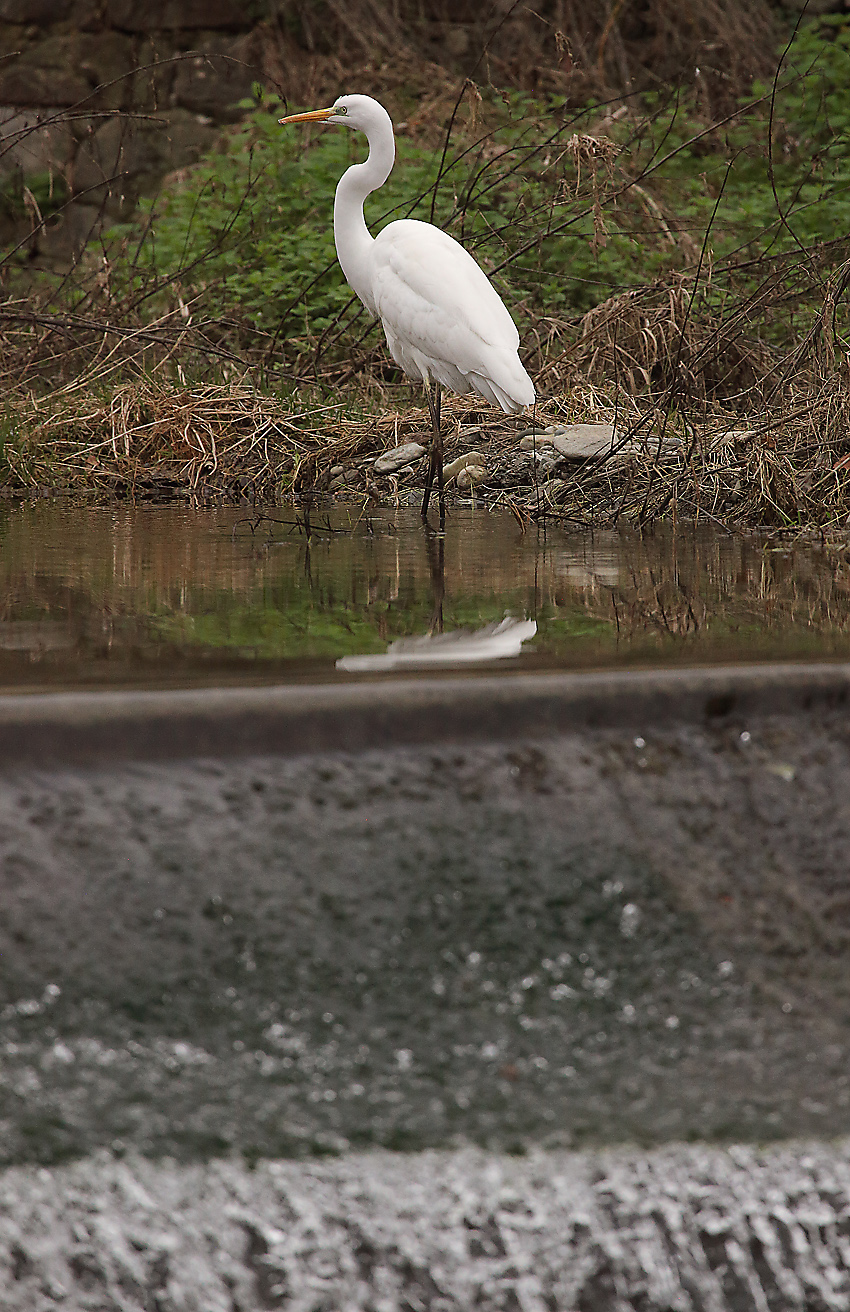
<point>787,470</point>
<point>153,438</point>
<point>415,50</point>
<point>714,418</point>
<point>789,467</point>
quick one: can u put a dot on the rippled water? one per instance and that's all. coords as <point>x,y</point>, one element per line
<point>174,595</point>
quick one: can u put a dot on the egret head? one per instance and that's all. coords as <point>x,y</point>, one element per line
<point>359,112</point>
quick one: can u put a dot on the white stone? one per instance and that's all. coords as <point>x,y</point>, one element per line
<point>471,476</point>
<point>573,441</point>
<point>453,468</point>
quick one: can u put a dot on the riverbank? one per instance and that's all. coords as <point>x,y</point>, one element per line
<point>585,460</point>
<point>669,255</point>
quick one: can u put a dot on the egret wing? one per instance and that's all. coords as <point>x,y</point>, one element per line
<point>435,298</point>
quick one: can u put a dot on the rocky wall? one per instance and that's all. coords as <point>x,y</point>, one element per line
<point>99,99</point>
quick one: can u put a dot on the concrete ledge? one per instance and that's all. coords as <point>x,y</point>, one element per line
<point>88,728</point>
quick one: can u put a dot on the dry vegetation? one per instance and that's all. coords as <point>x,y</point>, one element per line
<point>723,412</point>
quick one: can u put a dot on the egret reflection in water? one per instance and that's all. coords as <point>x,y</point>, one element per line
<point>494,642</point>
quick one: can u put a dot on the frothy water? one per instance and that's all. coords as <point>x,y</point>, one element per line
<point>224,980</point>
<point>684,1228</point>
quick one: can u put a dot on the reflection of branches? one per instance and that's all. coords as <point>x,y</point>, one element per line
<point>724,585</point>
<point>302,526</point>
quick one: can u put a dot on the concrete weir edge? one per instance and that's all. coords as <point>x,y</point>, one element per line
<point>88,728</point>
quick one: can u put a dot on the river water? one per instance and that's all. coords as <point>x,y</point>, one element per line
<point>167,596</point>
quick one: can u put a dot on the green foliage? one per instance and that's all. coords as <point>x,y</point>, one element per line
<point>251,227</point>
<point>782,165</point>
<point>19,195</point>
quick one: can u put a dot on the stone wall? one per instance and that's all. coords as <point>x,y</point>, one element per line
<point>99,99</point>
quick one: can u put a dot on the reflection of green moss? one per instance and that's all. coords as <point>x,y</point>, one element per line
<point>302,626</point>
<point>575,624</point>
<point>300,630</point>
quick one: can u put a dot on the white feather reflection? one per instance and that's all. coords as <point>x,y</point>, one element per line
<point>494,642</point>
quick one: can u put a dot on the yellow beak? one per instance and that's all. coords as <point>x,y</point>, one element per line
<point>313,116</point>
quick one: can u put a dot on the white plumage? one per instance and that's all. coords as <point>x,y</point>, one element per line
<point>443,317</point>
<point>444,321</point>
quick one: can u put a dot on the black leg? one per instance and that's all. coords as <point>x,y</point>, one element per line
<point>435,462</point>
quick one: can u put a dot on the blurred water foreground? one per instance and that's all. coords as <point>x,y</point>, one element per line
<point>534,956</point>
<point>498,991</point>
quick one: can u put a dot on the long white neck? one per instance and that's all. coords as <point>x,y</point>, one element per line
<point>352,237</point>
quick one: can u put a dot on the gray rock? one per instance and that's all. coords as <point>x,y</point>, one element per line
<point>124,150</point>
<point>107,59</point>
<point>34,11</point>
<point>398,457</point>
<point>32,148</point>
<point>27,84</point>
<point>214,82</point>
<point>573,441</point>
<point>592,442</point>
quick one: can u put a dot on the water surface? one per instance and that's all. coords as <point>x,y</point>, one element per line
<point>173,595</point>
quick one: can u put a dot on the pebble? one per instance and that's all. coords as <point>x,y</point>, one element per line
<point>470,476</point>
<point>468,459</point>
<point>397,457</point>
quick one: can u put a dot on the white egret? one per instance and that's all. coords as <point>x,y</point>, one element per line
<point>445,323</point>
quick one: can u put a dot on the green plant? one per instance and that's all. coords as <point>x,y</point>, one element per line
<point>38,194</point>
<point>251,227</point>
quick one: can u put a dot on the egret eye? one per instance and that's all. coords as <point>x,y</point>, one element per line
<point>341,109</point>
